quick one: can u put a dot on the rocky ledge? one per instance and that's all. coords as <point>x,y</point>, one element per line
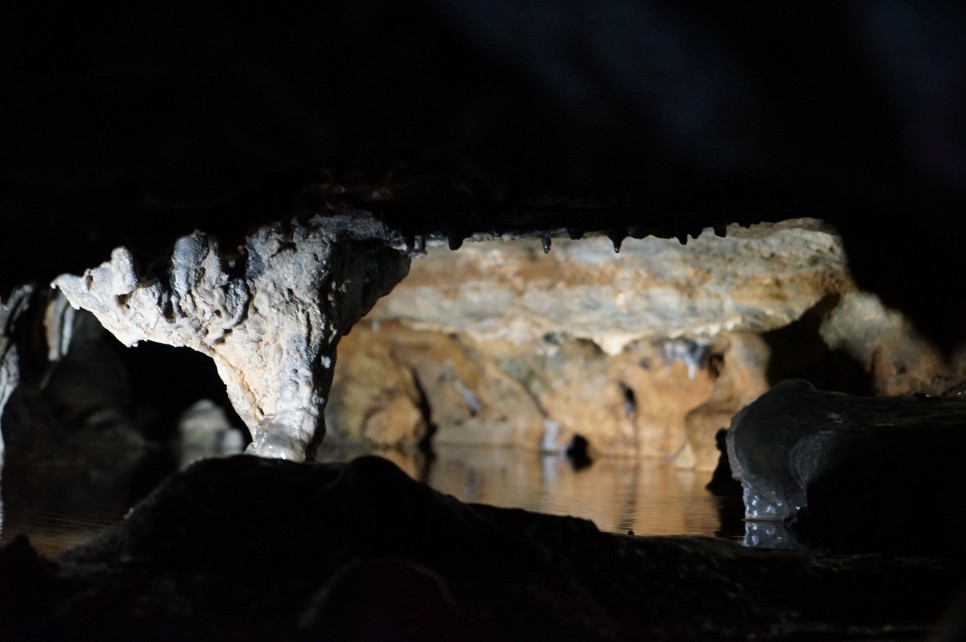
<point>252,549</point>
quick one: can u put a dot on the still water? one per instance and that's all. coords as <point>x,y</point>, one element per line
<point>59,507</point>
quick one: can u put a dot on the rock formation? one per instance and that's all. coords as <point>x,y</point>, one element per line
<point>738,363</point>
<point>854,471</point>
<point>270,316</point>
<point>645,353</point>
<point>204,431</point>
<point>757,279</point>
<point>9,361</point>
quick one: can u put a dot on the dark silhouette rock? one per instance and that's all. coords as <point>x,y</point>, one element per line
<point>254,549</point>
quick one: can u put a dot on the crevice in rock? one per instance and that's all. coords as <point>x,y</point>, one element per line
<point>630,400</point>
<point>578,452</point>
<point>425,443</point>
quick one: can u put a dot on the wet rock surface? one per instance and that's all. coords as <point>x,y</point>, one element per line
<point>853,473</point>
<point>253,549</point>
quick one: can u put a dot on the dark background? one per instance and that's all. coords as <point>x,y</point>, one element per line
<point>136,124</point>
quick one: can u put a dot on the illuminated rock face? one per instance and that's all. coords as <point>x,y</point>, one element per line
<point>9,360</point>
<point>646,353</point>
<point>755,279</point>
<point>270,317</point>
<point>395,386</point>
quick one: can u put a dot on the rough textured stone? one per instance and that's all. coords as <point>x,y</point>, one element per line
<point>624,349</point>
<point>835,466</point>
<point>887,347</point>
<point>270,317</point>
<point>396,386</point>
<point>9,361</point>
<point>755,279</point>
<point>738,363</point>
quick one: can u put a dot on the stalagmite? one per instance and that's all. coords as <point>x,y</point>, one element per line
<point>270,318</point>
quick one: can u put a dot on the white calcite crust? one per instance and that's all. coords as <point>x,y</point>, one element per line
<point>270,317</point>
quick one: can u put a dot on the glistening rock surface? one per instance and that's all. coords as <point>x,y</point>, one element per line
<point>877,472</point>
<point>270,316</point>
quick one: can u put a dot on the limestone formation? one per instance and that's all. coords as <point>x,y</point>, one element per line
<point>755,279</point>
<point>270,315</point>
<point>860,468</point>
<point>204,431</point>
<point>501,343</point>
<point>396,386</point>
<point>886,345</point>
<point>10,310</point>
<point>737,367</point>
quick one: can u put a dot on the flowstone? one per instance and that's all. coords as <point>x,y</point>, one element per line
<point>270,318</point>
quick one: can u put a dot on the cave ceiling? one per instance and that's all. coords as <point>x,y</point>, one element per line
<point>134,126</point>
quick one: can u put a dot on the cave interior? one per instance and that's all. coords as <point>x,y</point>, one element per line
<point>402,178</point>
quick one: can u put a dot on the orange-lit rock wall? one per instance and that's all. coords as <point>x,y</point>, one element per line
<point>645,353</point>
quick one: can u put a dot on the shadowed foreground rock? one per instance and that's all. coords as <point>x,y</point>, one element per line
<point>256,549</point>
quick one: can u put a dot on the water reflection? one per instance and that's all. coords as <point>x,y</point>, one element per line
<point>647,497</point>
<point>59,507</point>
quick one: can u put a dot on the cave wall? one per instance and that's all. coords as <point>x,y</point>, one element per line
<point>644,353</point>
